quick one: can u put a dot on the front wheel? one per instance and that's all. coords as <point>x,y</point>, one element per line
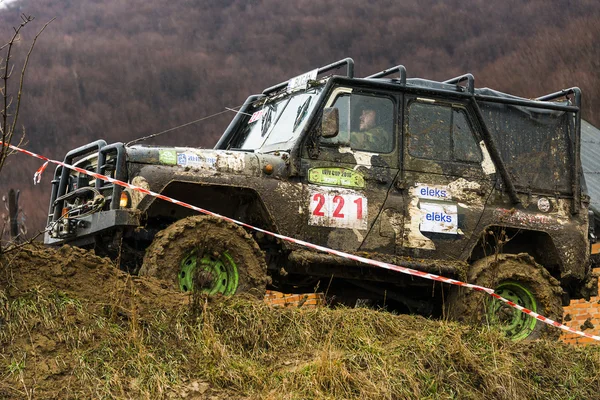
<point>517,278</point>
<point>208,255</point>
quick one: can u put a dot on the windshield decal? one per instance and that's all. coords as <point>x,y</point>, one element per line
<point>256,116</point>
<point>301,113</point>
<point>268,117</point>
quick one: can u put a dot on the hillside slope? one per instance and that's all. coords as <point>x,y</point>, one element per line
<point>103,71</point>
<point>73,326</point>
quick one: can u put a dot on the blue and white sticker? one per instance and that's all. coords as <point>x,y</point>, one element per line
<point>432,192</point>
<point>439,217</point>
<point>195,160</point>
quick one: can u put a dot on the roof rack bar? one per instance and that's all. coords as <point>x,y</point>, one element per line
<point>387,72</point>
<point>563,93</point>
<point>526,103</point>
<point>349,67</point>
<point>466,77</point>
<point>346,61</point>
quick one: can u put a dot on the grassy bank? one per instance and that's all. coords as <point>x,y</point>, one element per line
<point>54,345</point>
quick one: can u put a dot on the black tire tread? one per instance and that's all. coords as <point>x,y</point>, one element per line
<point>181,233</point>
<point>465,304</point>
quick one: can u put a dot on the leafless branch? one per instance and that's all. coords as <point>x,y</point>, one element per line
<point>21,81</point>
<point>8,121</point>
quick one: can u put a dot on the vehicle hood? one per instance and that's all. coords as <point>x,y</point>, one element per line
<point>209,160</point>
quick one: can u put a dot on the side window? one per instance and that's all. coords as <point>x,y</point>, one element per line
<point>441,132</point>
<point>366,123</point>
<point>465,147</point>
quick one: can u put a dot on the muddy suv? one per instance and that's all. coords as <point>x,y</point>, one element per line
<point>438,176</point>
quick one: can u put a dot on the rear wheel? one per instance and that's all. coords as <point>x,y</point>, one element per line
<point>207,255</point>
<point>517,278</point>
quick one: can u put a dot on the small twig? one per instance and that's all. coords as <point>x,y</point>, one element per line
<point>12,246</point>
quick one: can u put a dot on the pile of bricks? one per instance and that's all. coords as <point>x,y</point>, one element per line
<point>584,316</point>
<point>305,300</point>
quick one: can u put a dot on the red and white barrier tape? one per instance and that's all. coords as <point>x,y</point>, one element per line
<point>376,263</point>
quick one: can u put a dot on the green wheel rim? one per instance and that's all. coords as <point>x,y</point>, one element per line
<point>516,324</point>
<point>216,273</point>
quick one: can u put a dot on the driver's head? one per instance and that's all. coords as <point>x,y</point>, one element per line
<point>368,117</point>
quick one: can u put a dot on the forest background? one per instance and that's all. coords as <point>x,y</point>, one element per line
<point>122,69</point>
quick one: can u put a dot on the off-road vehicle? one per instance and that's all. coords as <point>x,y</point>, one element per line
<point>464,182</point>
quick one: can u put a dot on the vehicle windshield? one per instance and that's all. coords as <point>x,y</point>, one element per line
<point>276,124</point>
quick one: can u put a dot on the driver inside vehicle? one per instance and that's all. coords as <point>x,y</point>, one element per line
<point>372,134</point>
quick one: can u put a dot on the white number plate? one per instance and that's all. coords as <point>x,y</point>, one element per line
<point>338,209</point>
<point>301,81</point>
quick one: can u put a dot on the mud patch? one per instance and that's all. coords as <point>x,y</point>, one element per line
<point>83,275</point>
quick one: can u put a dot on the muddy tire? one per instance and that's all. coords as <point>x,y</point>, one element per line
<point>207,255</point>
<point>517,278</point>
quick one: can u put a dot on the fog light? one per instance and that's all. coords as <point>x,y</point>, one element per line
<point>124,200</point>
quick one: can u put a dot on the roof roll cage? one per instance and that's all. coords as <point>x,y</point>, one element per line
<point>575,91</point>
<point>348,62</point>
<point>469,88</point>
<point>466,77</point>
<point>389,71</point>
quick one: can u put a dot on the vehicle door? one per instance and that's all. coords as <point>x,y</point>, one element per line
<point>447,178</point>
<point>347,178</point>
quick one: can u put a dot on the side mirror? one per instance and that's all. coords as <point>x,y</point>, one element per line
<point>330,124</point>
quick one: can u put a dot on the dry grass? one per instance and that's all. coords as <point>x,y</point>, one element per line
<point>53,346</point>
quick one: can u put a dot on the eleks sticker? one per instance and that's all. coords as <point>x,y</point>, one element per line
<point>433,192</point>
<point>439,217</point>
<point>337,209</point>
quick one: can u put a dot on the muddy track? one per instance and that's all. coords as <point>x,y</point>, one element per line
<point>83,275</point>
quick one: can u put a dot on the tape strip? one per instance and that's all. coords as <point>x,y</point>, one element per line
<point>368,261</point>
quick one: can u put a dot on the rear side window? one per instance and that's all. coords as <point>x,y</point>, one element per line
<point>441,132</point>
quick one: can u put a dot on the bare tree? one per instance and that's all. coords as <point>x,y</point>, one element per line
<point>10,103</point>
<point>9,106</point>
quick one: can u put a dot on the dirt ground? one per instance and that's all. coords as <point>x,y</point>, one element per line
<point>82,279</point>
<point>82,275</point>
<point>74,326</point>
